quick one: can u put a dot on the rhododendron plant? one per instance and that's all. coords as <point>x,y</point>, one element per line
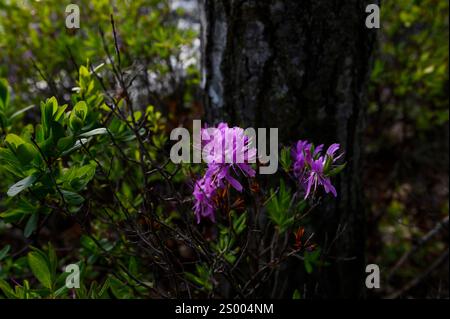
<point>229,154</point>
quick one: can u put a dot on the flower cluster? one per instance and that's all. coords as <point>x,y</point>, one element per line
<point>228,152</point>
<point>312,168</point>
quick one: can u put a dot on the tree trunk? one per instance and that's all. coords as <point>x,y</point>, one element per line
<point>301,66</point>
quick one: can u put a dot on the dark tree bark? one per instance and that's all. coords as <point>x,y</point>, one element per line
<point>301,66</point>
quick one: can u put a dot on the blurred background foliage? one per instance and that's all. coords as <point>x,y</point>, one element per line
<point>41,57</point>
<point>406,144</point>
<point>406,141</point>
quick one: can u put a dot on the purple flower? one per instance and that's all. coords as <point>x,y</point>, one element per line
<point>317,177</point>
<point>204,192</point>
<point>333,149</point>
<point>300,154</point>
<point>311,168</point>
<point>219,173</point>
<point>227,145</point>
<point>228,152</point>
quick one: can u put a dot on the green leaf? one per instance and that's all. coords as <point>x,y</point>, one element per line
<point>21,209</point>
<point>58,130</point>
<point>104,288</point>
<point>48,109</point>
<point>21,185</point>
<point>78,144</point>
<point>7,290</point>
<point>98,67</point>
<point>61,291</point>
<point>308,266</point>
<point>84,72</point>
<point>132,266</point>
<point>72,198</point>
<point>239,223</point>
<point>4,251</point>
<point>203,278</point>
<point>26,153</point>
<point>279,208</point>
<point>65,143</point>
<point>40,268</point>
<point>13,166</point>
<point>75,124</point>
<point>285,159</point>
<point>12,215</point>
<point>14,115</point>
<point>76,178</point>
<point>98,131</point>
<point>31,225</point>
<point>4,94</point>
<point>40,135</point>
<point>78,116</point>
<point>14,141</point>
<point>60,112</point>
<point>47,144</point>
<point>336,170</point>
<point>311,259</point>
<point>194,279</point>
<point>296,294</point>
<point>53,260</point>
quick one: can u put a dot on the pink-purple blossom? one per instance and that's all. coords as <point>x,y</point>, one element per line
<point>204,192</point>
<point>312,168</point>
<point>229,154</point>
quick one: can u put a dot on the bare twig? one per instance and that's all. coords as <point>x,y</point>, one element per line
<point>439,226</point>
<point>437,263</point>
